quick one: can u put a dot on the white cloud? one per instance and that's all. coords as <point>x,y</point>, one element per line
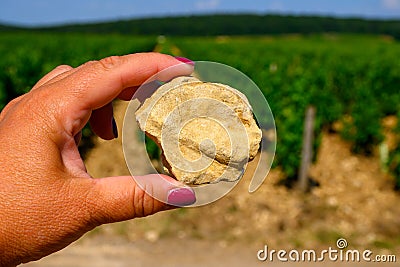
<point>207,4</point>
<point>391,4</point>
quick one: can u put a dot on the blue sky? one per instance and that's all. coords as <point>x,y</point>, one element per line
<point>45,12</point>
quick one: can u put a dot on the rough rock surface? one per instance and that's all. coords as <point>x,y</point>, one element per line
<point>206,131</point>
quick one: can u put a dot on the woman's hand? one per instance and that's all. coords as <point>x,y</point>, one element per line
<point>47,199</point>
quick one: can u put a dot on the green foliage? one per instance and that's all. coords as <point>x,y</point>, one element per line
<point>364,129</point>
<point>152,148</point>
<point>235,24</point>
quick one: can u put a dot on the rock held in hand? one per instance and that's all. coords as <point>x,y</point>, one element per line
<point>206,131</point>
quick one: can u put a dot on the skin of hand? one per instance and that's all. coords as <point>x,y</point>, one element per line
<point>47,198</point>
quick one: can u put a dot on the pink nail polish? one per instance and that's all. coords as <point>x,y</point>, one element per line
<point>181,197</point>
<point>185,60</point>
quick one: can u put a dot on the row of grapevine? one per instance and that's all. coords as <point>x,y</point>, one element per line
<point>351,79</point>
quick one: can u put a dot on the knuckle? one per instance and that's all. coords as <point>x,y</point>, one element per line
<point>64,67</point>
<point>138,202</point>
<point>109,62</point>
<point>10,105</point>
<point>143,203</point>
<point>90,63</point>
<point>13,102</point>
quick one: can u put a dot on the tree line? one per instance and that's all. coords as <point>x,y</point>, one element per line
<point>230,24</point>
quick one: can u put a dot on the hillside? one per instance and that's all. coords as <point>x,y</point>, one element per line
<point>8,28</point>
<point>232,24</point>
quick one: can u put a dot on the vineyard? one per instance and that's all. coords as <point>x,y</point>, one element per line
<point>352,81</point>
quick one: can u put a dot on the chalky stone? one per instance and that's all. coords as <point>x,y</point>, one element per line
<point>206,131</point>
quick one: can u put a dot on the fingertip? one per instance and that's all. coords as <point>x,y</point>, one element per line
<point>185,60</point>
<point>179,69</point>
<point>181,197</point>
<point>167,189</point>
<point>167,66</point>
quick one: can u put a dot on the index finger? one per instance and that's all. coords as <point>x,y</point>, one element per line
<point>104,80</point>
<point>97,83</point>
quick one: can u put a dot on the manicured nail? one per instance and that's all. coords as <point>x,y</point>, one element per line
<point>181,197</point>
<point>114,128</point>
<point>185,60</point>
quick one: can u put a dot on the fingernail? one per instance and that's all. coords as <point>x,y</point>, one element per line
<point>114,128</point>
<point>181,197</point>
<point>185,60</point>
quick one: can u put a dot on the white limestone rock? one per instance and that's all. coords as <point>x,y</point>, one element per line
<point>206,131</point>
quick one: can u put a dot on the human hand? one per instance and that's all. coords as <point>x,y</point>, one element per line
<point>47,199</point>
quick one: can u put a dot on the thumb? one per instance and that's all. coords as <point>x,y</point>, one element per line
<point>122,198</point>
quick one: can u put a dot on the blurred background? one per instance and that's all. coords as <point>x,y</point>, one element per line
<point>339,58</point>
